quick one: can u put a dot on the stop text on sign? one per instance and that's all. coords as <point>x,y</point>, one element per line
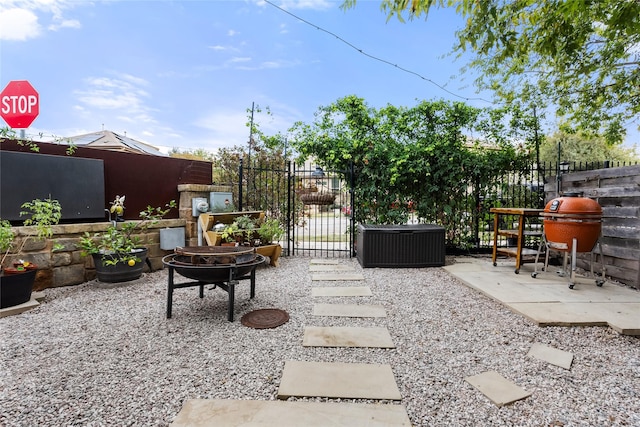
<point>19,104</point>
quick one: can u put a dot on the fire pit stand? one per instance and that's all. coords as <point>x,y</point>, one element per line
<point>223,276</point>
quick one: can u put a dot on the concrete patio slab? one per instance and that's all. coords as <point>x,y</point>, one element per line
<point>346,336</point>
<point>349,310</point>
<point>551,355</point>
<point>498,389</point>
<point>338,380</point>
<point>341,291</point>
<point>237,413</point>
<point>547,299</point>
<point>331,267</point>
<point>332,277</point>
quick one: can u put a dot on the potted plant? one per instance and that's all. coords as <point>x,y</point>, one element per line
<point>16,281</point>
<point>229,233</point>
<point>241,232</point>
<point>117,253</point>
<point>270,231</point>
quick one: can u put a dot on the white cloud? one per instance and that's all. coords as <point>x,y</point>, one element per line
<point>240,59</point>
<point>21,20</point>
<point>18,24</point>
<point>124,94</point>
<point>67,23</point>
<point>226,127</point>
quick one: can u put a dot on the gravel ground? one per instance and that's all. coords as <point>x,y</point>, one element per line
<point>96,355</point>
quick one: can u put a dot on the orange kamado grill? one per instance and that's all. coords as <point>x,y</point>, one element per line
<point>572,217</point>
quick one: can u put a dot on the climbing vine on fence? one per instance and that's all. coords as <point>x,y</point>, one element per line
<point>416,161</point>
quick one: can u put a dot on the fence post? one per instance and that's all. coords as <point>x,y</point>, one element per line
<point>240,178</point>
<point>289,213</point>
<point>352,221</point>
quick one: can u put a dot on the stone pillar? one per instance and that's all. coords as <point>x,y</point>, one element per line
<point>187,193</point>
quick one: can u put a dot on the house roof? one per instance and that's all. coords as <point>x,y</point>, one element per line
<point>107,140</point>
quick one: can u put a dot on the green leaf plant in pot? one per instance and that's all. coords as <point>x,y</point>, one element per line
<point>118,252</point>
<point>270,231</point>
<point>229,234</point>
<point>16,280</point>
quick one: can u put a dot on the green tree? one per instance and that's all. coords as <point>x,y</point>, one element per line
<point>195,154</point>
<point>260,157</point>
<point>583,148</point>
<point>582,57</point>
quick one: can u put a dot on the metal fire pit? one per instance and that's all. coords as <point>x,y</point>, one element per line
<point>203,265</point>
<point>572,224</point>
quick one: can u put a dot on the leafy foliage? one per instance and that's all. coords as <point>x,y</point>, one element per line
<point>43,215</point>
<point>6,236</point>
<point>9,133</point>
<point>195,154</point>
<point>580,147</point>
<point>117,243</point>
<point>580,57</point>
<point>414,161</point>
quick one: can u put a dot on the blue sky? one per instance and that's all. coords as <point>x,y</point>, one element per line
<point>183,73</point>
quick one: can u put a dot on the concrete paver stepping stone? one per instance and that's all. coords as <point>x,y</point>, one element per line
<point>331,267</point>
<point>338,380</point>
<point>498,389</point>
<point>324,261</point>
<point>20,308</point>
<point>349,310</point>
<point>551,355</point>
<point>341,291</point>
<point>331,277</point>
<point>560,314</point>
<point>263,413</point>
<point>346,336</point>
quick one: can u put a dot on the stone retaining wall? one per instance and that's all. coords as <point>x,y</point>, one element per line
<point>67,266</point>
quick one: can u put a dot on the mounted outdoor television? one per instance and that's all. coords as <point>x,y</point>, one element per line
<point>77,183</point>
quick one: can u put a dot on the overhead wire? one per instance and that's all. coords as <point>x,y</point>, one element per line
<point>384,61</point>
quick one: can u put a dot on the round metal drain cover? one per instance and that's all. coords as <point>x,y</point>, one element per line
<point>265,318</point>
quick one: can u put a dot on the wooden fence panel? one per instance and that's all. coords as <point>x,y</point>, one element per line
<point>618,192</point>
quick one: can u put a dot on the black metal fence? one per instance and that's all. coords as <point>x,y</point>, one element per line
<point>314,205</point>
<point>317,206</point>
<point>472,230</point>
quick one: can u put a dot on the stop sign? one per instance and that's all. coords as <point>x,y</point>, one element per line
<point>19,104</point>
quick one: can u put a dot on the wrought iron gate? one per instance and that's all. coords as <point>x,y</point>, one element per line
<point>314,205</point>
